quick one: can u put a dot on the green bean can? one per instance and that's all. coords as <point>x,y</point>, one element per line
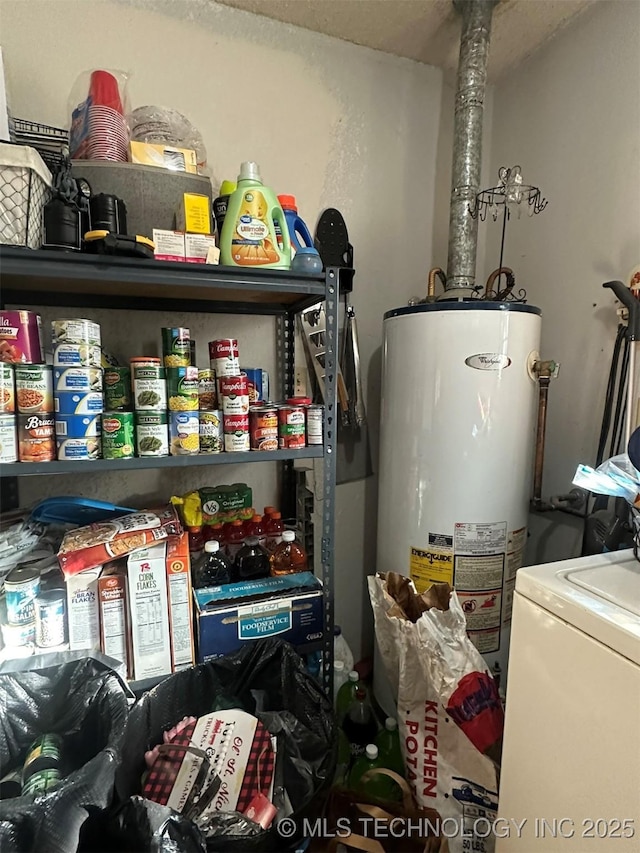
<point>152,435</point>
<point>117,388</point>
<point>117,435</point>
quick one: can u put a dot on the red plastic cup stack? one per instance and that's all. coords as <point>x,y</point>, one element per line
<point>108,135</point>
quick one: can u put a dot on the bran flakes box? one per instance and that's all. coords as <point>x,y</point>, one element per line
<point>115,637</point>
<point>83,610</point>
<point>179,596</point>
<point>148,609</point>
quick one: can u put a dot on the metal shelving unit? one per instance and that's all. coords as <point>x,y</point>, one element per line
<point>32,278</point>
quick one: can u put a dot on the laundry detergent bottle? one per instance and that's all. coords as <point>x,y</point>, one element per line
<point>299,234</point>
<point>254,232</point>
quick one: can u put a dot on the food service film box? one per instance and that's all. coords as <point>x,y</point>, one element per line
<point>180,602</point>
<point>148,611</point>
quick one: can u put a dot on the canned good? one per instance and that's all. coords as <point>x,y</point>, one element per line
<point>263,428</point>
<point>182,389</point>
<point>75,331</point>
<point>50,609</point>
<point>224,357</point>
<point>149,387</point>
<point>41,783</point>
<point>7,389</point>
<point>207,396</point>
<point>145,361</point>
<point>176,347</point>
<point>77,378</point>
<point>21,588</point>
<point>117,435</point>
<point>77,426</point>
<point>254,383</point>
<point>211,432</point>
<point>152,436</point>
<point>77,355</point>
<point>34,388</point>
<point>291,427</point>
<point>36,441</point>
<point>234,391</point>
<point>184,433</point>
<point>70,403</point>
<point>315,425</point>
<point>17,636</point>
<point>20,337</point>
<point>79,448</point>
<point>8,441</point>
<point>117,388</point>
<point>236,433</point>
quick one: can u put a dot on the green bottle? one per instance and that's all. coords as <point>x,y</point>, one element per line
<point>344,760</point>
<point>390,756</point>
<point>254,233</point>
<point>377,786</point>
<point>346,695</point>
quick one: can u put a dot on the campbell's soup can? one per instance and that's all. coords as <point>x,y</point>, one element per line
<point>236,433</point>
<point>36,438</point>
<point>315,425</point>
<point>291,427</point>
<point>7,389</point>
<point>234,391</point>
<point>8,441</point>
<point>207,392</point>
<point>211,432</point>
<point>263,427</point>
<point>224,357</point>
<point>34,388</point>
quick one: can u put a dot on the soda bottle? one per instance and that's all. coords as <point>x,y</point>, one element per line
<point>215,531</point>
<point>346,695</point>
<point>341,776</point>
<point>289,556</point>
<point>235,538</point>
<point>269,510</point>
<point>375,787</point>
<point>359,724</point>
<point>213,569</point>
<point>252,561</point>
<point>256,528</point>
<point>388,743</point>
<point>196,542</point>
<point>273,528</point>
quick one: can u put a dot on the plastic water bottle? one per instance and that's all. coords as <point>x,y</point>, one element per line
<point>340,677</point>
<point>213,569</point>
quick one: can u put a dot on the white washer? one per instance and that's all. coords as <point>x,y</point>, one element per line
<point>572,733</point>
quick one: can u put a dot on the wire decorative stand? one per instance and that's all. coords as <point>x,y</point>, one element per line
<point>510,195</point>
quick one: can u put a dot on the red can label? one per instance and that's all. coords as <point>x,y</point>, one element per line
<point>263,425</point>
<point>236,433</point>
<point>236,423</point>
<point>223,348</point>
<point>291,427</point>
<point>36,438</point>
<point>234,391</point>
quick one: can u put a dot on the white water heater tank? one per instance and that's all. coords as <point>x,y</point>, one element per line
<point>459,401</point>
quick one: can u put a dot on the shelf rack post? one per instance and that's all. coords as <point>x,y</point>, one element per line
<point>285,343</point>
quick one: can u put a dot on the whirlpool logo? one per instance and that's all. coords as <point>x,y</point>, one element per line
<point>488,361</point>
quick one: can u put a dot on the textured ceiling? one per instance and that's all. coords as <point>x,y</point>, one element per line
<point>424,30</point>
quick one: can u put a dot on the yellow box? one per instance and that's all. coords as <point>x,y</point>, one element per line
<point>194,214</point>
<point>164,157</point>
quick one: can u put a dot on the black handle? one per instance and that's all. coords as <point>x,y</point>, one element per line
<point>624,295</point>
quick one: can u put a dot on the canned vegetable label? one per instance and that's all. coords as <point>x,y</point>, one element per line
<point>8,441</point>
<point>117,435</point>
<point>184,433</point>
<point>211,434</point>
<point>176,347</point>
<point>149,388</point>
<point>70,403</point>
<point>34,388</point>
<point>75,331</point>
<point>152,436</point>
<point>7,389</point>
<point>207,397</point>
<point>117,388</point>
<point>21,588</point>
<point>77,355</point>
<point>291,427</point>
<point>36,438</point>
<point>77,378</point>
<point>182,389</point>
<point>263,426</point>
<point>79,448</point>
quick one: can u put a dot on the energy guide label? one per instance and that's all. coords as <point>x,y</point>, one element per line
<point>430,566</point>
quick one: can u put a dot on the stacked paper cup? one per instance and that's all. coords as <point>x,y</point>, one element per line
<point>108,135</point>
<point>77,388</point>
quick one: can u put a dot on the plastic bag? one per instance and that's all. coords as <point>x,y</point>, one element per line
<point>449,710</point>
<point>168,127</point>
<point>266,678</point>
<point>616,477</point>
<point>98,105</point>
<point>86,704</point>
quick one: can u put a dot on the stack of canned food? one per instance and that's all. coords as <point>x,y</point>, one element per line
<point>32,618</point>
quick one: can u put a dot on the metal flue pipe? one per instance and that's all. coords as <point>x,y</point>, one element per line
<point>467,144</point>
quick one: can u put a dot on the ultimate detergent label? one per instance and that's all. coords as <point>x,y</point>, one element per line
<point>252,244</point>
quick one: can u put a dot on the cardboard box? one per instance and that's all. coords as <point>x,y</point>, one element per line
<point>194,214</point>
<point>290,607</point>
<point>179,594</point>
<point>197,246</point>
<point>148,610</point>
<point>164,156</point>
<point>169,245</point>
<point>115,635</point>
<point>83,610</point>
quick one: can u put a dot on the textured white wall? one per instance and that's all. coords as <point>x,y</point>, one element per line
<point>571,118</point>
<point>335,124</point>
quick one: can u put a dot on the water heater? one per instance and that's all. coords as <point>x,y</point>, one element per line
<point>456,450</point>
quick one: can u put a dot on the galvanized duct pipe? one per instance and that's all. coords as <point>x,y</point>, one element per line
<point>467,144</point>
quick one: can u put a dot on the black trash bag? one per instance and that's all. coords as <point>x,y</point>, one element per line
<point>86,704</point>
<point>268,670</point>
